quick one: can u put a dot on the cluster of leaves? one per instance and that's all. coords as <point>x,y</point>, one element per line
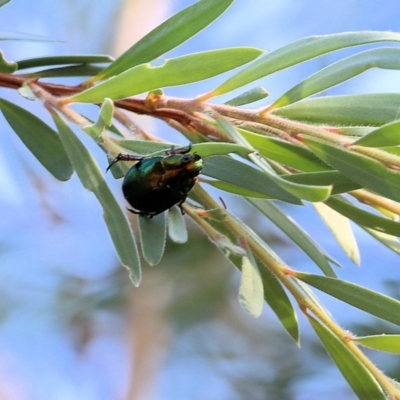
<point>324,150</point>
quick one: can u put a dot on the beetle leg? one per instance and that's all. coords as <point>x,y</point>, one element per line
<point>182,150</point>
<point>124,157</point>
<point>180,206</point>
<point>142,213</point>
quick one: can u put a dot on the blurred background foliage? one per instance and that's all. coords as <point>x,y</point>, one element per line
<point>72,324</point>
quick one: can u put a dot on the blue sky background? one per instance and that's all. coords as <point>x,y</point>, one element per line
<point>56,260</point>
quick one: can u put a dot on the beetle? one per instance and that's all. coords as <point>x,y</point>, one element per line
<point>155,184</point>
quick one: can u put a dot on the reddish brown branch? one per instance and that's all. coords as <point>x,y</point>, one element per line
<point>191,114</point>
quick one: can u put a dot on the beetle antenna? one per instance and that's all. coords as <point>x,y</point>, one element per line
<point>124,157</point>
<point>116,159</point>
<point>182,150</point>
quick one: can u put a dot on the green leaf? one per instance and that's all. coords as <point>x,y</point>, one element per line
<point>300,51</point>
<point>237,173</point>
<point>251,292</point>
<point>103,121</point>
<point>170,34</point>
<point>278,300</point>
<point>43,142</point>
<point>3,2</point>
<point>364,170</point>
<point>177,230</point>
<point>175,71</point>
<point>6,66</point>
<point>386,135</point>
<point>362,217</point>
<point>64,60</point>
<point>355,131</point>
<point>66,72</point>
<point>26,92</point>
<point>93,180</point>
<point>392,150</point>
<point>213,149</point>
<point>340,71</point>
<point>389,241</point>
<point>372,302</point>
<point>279,304</point>
<point>388,343</point>
<point>144,147</point>
<point>306,192</point>
<point>359,109</point>
<point>152,237</point>
<point>359,378</point>
<point>24,37</point>
<point>251,96</point>
<point>306,289</point>
<point>274,294</point>
<point>341,229</point>
<point>339,181</point>
<point>284,152</point>
<point>225,239</point>
<point>296,233</point>
<point>235,189</point>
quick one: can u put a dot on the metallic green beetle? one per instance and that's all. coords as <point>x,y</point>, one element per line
<point>155,184</point>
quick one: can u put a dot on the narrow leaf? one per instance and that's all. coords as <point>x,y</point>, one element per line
<point>359,109</point>
<point>300,51</point>
<point>93,180</point>
<point>24,37</point>
<point>103,121</point>
<point>66,72</point>
<point>339,181</point>
<point>7,67</point>
<point>386,135</point>
<point>364,170</point>
<point>306,289</point>
<point>177,230</point>
<point>43,142</point>
<point>225,239</point>
<point>284,152</point>
<point>389,241</point>
<point>274,294</point>
<point>310,193</point>
<point>235,189</point>
<point>144,147</point>
<point>248,97</point>
<point>296,233</point>
<point>235,172</point>
<point>372,302</point>
<point>3,2</point>
<point>152,237</point>
<point>362,217</point>
<point>251,292</point>
<point>305,192</point>
<point>278,300</point>
<point>341,229</point>
<point>341,71</point>
<point>213,149</point>
<point>388,343</point>
<point>359,378</point>
<point>63,60</point>
<point>170,34</point>
<point>175,71</point>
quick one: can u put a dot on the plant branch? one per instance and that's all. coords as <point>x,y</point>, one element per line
<point>284,274</point>
<point>193,114</point>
